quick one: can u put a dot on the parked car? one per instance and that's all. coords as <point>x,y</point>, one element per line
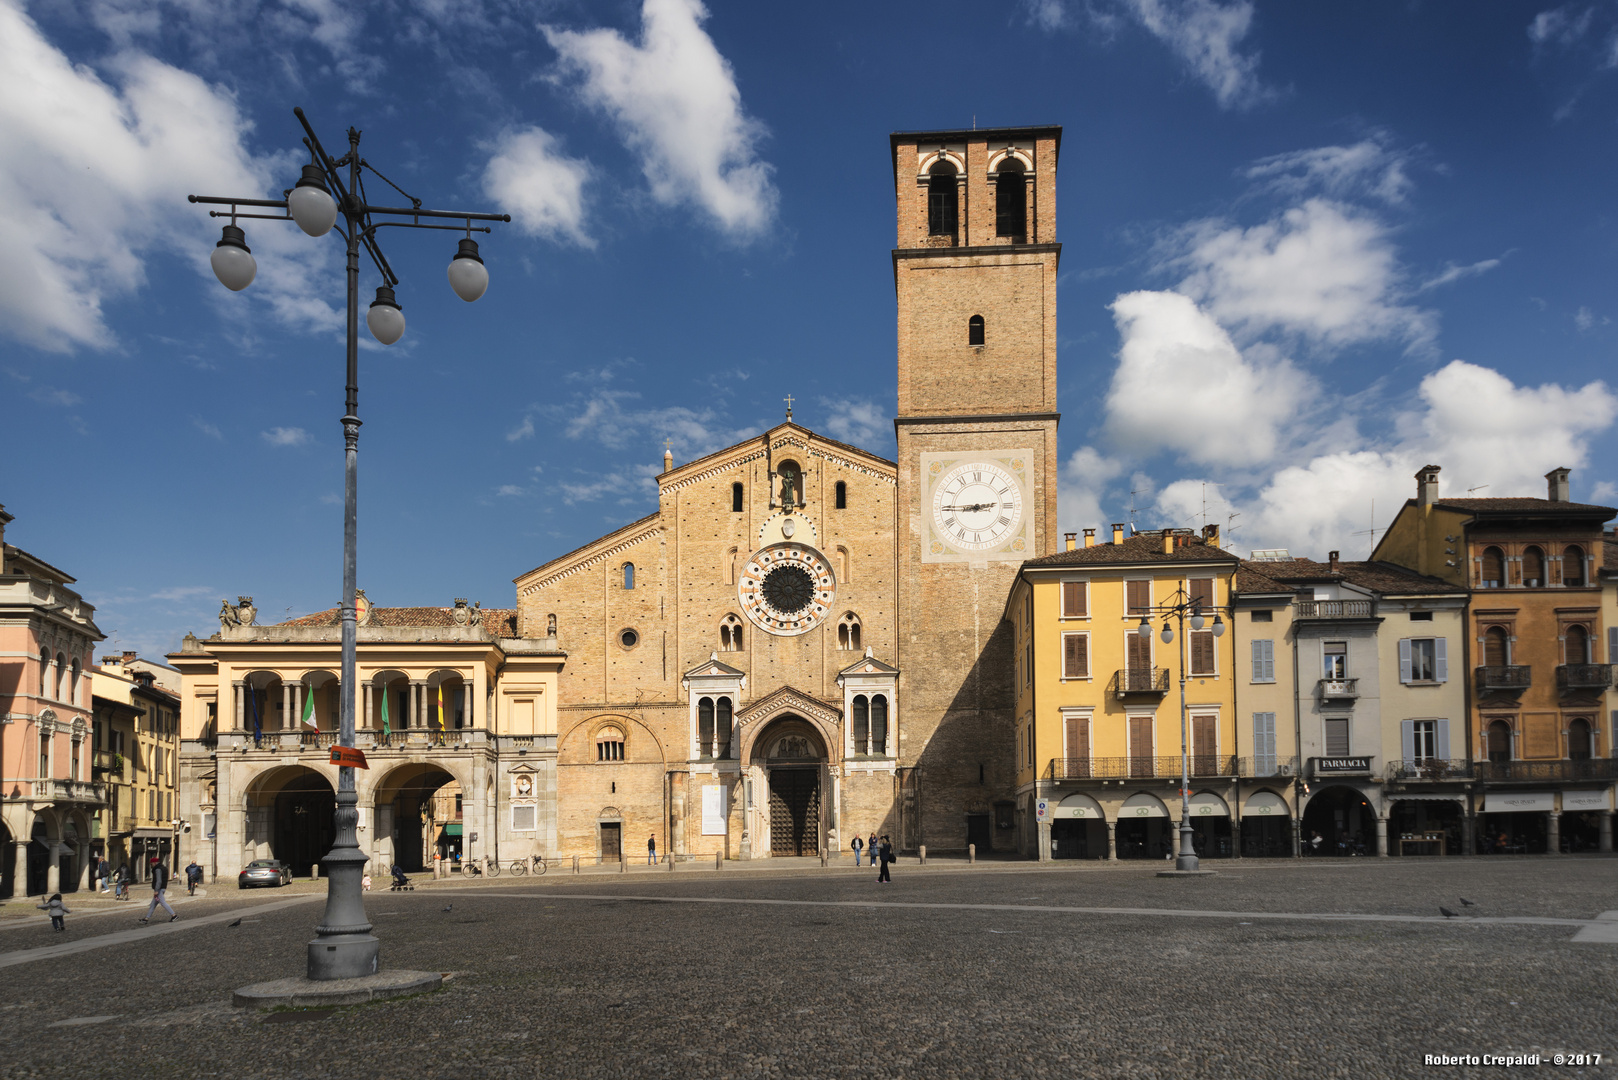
<point>264,872</point>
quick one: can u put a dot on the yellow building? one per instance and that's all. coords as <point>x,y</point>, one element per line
<point>1099,703</point>
<point>142,815</point>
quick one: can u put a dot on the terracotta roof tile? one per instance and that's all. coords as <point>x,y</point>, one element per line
<point>1146,547</point>
<point>1507,505</point>
<point>498,622</point>
<point>1378,576</point>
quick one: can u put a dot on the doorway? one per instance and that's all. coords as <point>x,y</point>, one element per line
<point>794,811</point>
<point>979,833</point>
<point>612,841</point>
<point>304,829</point>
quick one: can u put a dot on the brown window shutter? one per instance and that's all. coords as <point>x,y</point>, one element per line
<point>1202,589</point>
<point>1140,653</point>
<point>1078,738</point>
<point>1202,652</point>
<point>1204,741</point>
<point>1073,598</point>
<point>1075,656</point>
<point>1140,736</point>
<point>1140,597</point>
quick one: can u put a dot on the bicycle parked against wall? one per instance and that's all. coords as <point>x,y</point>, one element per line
<point>517,867</point>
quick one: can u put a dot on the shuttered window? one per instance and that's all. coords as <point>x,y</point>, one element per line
<point>1263,744</point>
<point>1075,656</point>
<point>1202,653</point>
<point>1204,736</point>
<point>1202,589</point>
<point>1139,652</point>
<point>1140,738</point>
<point>1139,596</point>
<point>1263,660</point>
<point>1078,739</point>
<point>1074,600</point>
<point>1337,737</point>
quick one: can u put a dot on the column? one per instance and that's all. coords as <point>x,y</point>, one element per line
<point>418,704</point>
<point>469,696</point>
<point>287,715</point>
<point>241,706</point>
<point>1297,837</point>
<point>1553,834</point>
<point>53,870</point>
<point>19,869</point>
<point>1112,841</point>
<point>365,706</point>
<point>1605,843</point>
<point>1469,833</point>
<point>1382,837</point>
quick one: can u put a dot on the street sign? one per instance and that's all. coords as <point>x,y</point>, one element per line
<point>1042,810</point>
<point>348,755</point>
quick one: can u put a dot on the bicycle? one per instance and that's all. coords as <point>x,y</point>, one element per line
<point>534,865</point>
<point>489,867</point>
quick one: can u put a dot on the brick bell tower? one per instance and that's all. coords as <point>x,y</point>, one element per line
<point>974,273</point>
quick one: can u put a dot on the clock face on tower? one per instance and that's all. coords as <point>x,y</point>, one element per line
<point>977,506</point>
<point>786,589</point>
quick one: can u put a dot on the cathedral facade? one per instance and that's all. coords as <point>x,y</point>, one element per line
<point>803,644</point>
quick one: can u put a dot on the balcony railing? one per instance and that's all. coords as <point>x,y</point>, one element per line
<point>1126,768</point>
<point>1141,680</point>
<point>1267,765</point>
<point>1495,678</point>
<point>71,790</point>
<point>1588,769</point>
<point>1429,769</point>
<point>1583,676</point>
<point>1339,689</point>
<point>1335,609</point>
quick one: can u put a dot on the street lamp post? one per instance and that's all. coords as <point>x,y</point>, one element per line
<point>344,947</point>
<point>1177,608</point>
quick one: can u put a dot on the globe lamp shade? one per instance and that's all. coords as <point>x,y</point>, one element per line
<point>1168,634</point>
<point>1218,627</point>
<point>232,260</point>
<point>467,274</point>
<point>1197,620</point>
<point>386,321</point>
<point>311,204</point>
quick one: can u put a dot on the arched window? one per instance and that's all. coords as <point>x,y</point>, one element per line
<point>629,575</point>
<point>974,330</point>
<point>1493,573</point>
<point>1573,565</point>
<point>848,632</point>
<point>879,725</point>
<point>722,728</point>
<point>843,565</point>
<point>609,744</point>
<point>732,558</point>
<point>730,634</point>
<point>736,498</point>
<point>1533,568</point>
<point>1577,644</point>
<point>73,690</point>
<point>44,673</point>
<point>705,728</point>
<point>862,724</point>
<point>1496,647</point>
<point>841,493</point>
<point>1580,745</point>
<point>1499,737</point>
<point>1011,199</point>
<point>62,675</point>
<point>942,200</point>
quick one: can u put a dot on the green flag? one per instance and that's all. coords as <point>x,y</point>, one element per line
<point>309,708</point>
<point>386,730</point>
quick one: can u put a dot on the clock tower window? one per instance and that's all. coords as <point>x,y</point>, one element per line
<point>974,330</point>
<point>943,200</point>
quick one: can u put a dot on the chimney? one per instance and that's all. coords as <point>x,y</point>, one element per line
<point>1559,490</point>
<point>1071,540</point>
<point>1089,538</point>
<point>1332,559</point>
<point>128,658</point>
<point>1117,532</point>
<point>1210,535</point>
<point>1427,485</point>
<point>1168,541</point>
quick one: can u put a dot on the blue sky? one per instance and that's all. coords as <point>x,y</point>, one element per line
<point>1307,249</point>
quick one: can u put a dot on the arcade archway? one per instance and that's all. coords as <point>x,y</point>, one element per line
<point>420,809</point>
<point>292,810</point>
<point>1343,820</point>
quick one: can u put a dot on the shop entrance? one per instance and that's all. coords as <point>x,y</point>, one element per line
<point>1419,819</point>
<point>1523,833</point>
<point>1078,838</point>
<point>1342,819</point>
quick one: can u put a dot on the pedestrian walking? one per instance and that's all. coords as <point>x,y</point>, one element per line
<point>651,850</point>
<point>160,884</point>
<point>121,882</point>
<point>871,849</point>
<point>193,877</point>
<point>885,854</point>
<point>857,844</point>
<point>56,909</point>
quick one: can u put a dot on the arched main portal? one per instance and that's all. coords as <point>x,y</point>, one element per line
<point>794,759</point>
<point>419,812</point>
<point>1343,820</point>
<point>290,812</point>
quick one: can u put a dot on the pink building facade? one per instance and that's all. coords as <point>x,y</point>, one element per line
<point>47,799</point>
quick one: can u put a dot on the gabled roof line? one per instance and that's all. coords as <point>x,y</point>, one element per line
<point>647,524</point>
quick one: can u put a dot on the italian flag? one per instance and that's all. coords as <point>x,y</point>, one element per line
<point>309,709</point>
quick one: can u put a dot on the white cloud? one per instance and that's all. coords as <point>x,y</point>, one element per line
<point>285,436</point>
<point>857,421</point>
<point>1453,272</point>
<point>1167,341</point>
<point>510,490</point>
<point>1321,270</point>
<point>1207,35</point>
<point>524,430</point>
<point>93,175</point>
<point>50,395</point>
<point>542,188</point>
<point>1084,479</point>
<point>1587,320</point>
<point>675,100</point>
<point>624,486</point>
<point>1048,15</point>
<point>210,430</point>
<point>1559,26</point>
<point>1371,167</point>
<point>614,419</point>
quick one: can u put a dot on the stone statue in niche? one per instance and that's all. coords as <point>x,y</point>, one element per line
<point>550,626</point>
<point>792,746</point>
<point>789,485</point>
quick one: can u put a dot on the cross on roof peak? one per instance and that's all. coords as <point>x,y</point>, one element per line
<point>788,400</point>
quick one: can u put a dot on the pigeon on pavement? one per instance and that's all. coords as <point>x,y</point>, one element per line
<point>1467,903</point>
<point>1446,912</point>
<point>448,906</point>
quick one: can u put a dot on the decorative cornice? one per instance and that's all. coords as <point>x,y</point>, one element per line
<point>789,699</point>
<point>594,560</point>
<point>698,477</point>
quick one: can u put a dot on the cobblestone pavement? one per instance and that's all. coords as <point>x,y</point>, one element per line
<point>999,970</point>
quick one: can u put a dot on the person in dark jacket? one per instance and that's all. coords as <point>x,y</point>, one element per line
<point>120,882</point>
<point>193,877</point>
<point>160,884</point>
<point>56,909</point>
<point>885,856</point>
<point>857,844</point>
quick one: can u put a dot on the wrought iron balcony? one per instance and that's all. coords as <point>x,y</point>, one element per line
<point>1140,681</point>
<point>1339,689</point>
<point>1565,769</point>
<point>1408,771</point>
<point>1502,678</point>
<point>1127,768</point>
<point>1267,765</point>
<point>1575,677</point>
<point>1335,609</point>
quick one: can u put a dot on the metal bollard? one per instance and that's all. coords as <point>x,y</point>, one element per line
<point>971,853</point>
<point>623,863</point>
<point>822,856</point>
<point>669,858</point>
<point>575,864</point>
<point>924,854</point>
<point>718,860</point>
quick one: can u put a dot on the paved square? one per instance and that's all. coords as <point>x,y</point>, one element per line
<point>1319,968</point>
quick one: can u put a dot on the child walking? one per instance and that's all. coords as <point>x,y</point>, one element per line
<point>56,909</point>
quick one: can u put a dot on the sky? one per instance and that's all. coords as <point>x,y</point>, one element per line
<point>1307,249</point>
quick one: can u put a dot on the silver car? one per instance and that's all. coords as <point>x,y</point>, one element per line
<point>264,872</point>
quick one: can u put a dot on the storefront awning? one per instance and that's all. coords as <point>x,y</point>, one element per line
<point>1511,802</point>
<point>1427,798</point>
<point>1266,804</point>
<point>1207,804</point>
<point>1078,806</point>
<point>452,829</point>
<point>1141,805</point>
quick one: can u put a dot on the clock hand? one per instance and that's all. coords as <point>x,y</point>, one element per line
<point>969,507</point>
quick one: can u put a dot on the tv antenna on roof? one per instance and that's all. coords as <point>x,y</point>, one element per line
<point>1372,531</point>
<point>1480,487</point>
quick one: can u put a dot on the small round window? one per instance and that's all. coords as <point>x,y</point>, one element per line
<point>629,639</point>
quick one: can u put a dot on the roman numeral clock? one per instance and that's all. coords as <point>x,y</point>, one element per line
<point>978,506</point>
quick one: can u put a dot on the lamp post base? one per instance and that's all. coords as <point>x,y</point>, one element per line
<point>1188,873</point>
<point>307,993</point>
<point>346,957</point>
